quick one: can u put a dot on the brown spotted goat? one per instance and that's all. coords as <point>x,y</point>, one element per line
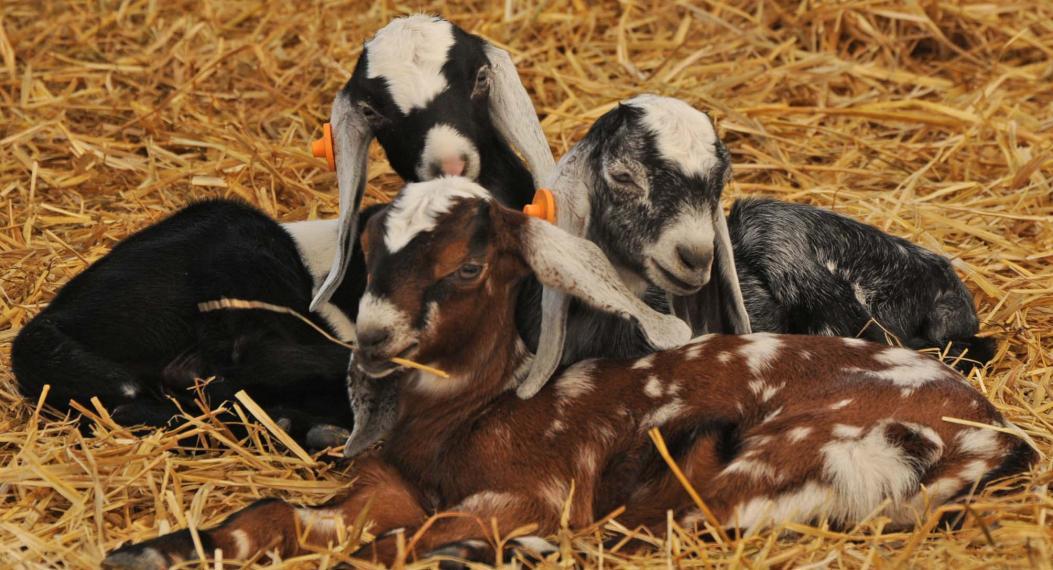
<point>767,428</point>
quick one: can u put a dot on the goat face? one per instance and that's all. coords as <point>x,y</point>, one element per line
<point>422,85</point>
<point>437,276</point>
<point>658,169</point>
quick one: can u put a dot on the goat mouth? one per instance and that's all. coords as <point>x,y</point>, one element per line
<point>673,283</point>
<point>381,367</point>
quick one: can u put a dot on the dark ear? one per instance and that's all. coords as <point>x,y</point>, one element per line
<point>351,138</point>
<point>572,266</point>
<point>718,307</point>
<point>514,116</point>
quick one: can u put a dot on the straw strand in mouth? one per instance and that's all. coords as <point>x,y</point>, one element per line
<point>224,304</point>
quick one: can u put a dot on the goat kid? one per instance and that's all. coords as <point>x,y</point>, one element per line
<point>767,428</point>
<point>439,100</point>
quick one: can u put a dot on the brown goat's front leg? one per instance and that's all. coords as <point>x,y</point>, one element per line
<point>465,532</point>
<point>274,525</point>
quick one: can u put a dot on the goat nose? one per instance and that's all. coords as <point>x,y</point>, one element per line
<point>371,339</point>
<point>695,256</point>
<point>453,166</point>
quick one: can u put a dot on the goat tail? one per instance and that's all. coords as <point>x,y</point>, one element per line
<point>43,354</point>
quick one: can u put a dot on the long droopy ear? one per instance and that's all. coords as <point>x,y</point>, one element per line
<point>579,268</point>
<point>351,138</point>
<point>514,116</point>
<point>718,306</point>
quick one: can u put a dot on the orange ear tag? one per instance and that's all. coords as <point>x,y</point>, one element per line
<point>543,207</point>
<point>323,147</point>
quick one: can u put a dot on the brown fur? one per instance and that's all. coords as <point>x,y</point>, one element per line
<point>750,419</point>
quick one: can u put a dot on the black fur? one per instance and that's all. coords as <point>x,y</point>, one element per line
<point>805,270</point>
<point>129,331</point>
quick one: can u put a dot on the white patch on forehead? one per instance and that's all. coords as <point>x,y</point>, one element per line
<point>760,349</point>
<point>409,54</point>
<point>798,433</point>
<point>446,142</point>
<point>418,206</point>
<point>684,135</point>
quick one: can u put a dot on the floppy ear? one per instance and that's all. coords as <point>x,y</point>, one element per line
<point>514,116</point>
<point>718,306</point>
<point>374,404</point>
<point>351,138</point>
<point>579,268</point>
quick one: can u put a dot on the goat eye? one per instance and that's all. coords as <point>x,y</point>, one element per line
<point>623,178</point>
<point>371,114</point>
<point>469,271</point>
<point>482,82</point>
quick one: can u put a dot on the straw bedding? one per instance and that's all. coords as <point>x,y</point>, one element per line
<point>932,120</point>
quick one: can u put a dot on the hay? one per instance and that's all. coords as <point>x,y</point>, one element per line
<point>931,120</point>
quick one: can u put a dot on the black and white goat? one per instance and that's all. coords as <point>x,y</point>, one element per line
<point>439,100</point>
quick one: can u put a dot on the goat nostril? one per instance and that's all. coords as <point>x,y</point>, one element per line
<point>372,339</point>
<point>693,258</point>
<point>453,166</point>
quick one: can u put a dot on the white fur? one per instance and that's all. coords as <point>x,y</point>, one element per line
<point>576,381</point>
<point>588,461</point>
<point>644,363</point>
<point>842,431</point>
<point>378,312</point>
<point>760,349</point>
<point>974,470</point>
<point>444,142</point>
<point>753,468</point>
<point>866,471</point>
<point>840,404</point>
<point>797,434</point>
<point>724,357</point>
<point>488,502</point>
<point>129,389</point>
<point>976,441</point>
<point>328,522</point>
<point>684,135</point>
<point>316,242</point>
<point>770,391</point>
<point>409,54</point>
<point>854,342</point>
<point>663,414</point>
<point>241,540</point>
<point>771,415</point>
<point>653,387</point>
<point>537,544</point>
<point>554,492</point>
<point>809,502</point>
<point>418,206</point>
<point>908,369</point>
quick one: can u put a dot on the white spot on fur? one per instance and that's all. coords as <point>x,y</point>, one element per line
<point>487,502</point>
<point>417,207</point>
<point>724,357</point>
<point>663,414</point>
<point>241,541</point>
<point>981,442</point>
<point>861,294</point>
<point>444,142</point>
<point>843,431</point>
<point>409,54</point>
<point>316,242</point>
<point>576,381</point>
<point>908,369</point>
<point>840,404</point>
<point>760,349</point>
<point>854,342</point>
<point>770,391</point>
<point>805,355</point>
<point>556,427</point>
<point>129,389</point>
<point>808,502</point>
<point>756,386</point>
<point>684,135</point>
<point>831,266</point>
<point>867,471</point>
<point>537,544</point>
<point>554,492</point>
<point>974,470</point>
<point>653,387</point>
<point>644,363</point>
<point>325,522</point>
<point>588,460</point>
<point>753,468</point>
<point>771,416</point>
<point>797,434</point>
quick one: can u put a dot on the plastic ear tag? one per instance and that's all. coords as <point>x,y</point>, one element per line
<point>543,207</point>
<point>323,147</point>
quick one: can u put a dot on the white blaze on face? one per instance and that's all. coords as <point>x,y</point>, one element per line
<point>409,54</point>
<point>379,313</point>
<point>418,205</point>
<point>683,134</point>
<point>452,152</point>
